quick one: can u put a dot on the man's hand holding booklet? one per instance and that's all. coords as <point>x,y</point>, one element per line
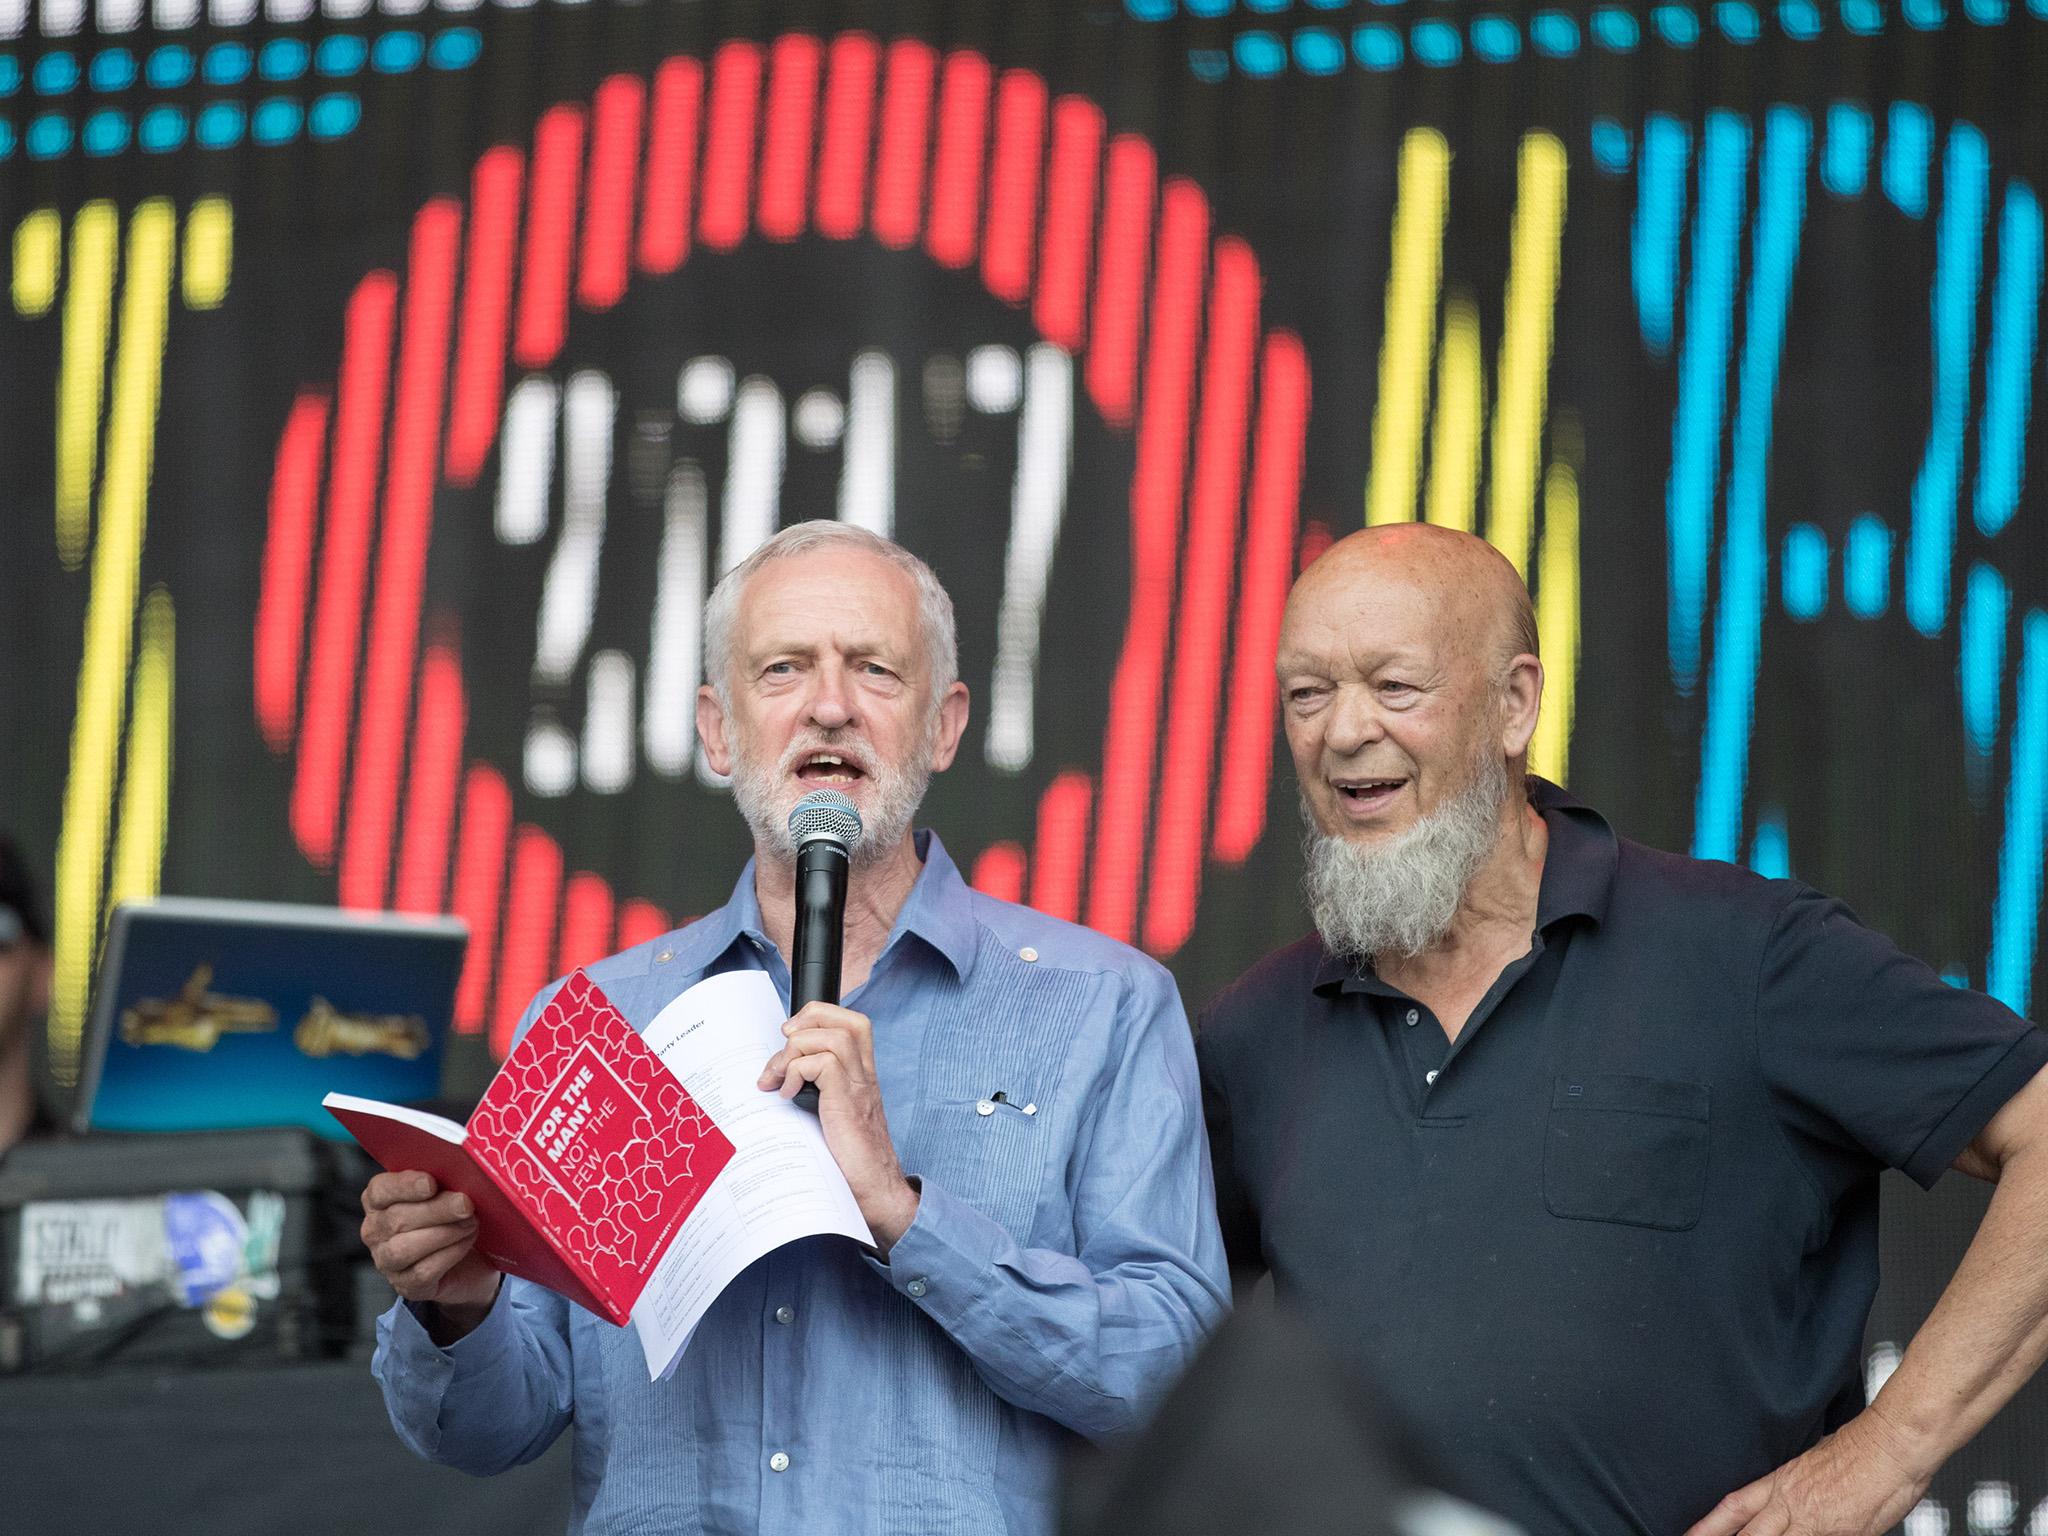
<point>637,1175</point>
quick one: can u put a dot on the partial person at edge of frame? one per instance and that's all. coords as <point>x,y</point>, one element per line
<point>25,968</point>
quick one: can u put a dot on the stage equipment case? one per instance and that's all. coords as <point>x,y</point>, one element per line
<point>193,1249</point>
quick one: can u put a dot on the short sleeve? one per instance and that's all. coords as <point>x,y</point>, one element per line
<point>1867,1051</point>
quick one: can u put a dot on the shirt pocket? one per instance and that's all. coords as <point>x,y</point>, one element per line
<point>990,1154</point>
<point>1624,1149</point>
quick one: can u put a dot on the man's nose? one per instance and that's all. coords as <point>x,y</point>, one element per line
<point>1355,722</point>
<point>831,702</point>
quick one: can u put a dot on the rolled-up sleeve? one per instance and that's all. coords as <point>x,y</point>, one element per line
<point>1094,1337</point>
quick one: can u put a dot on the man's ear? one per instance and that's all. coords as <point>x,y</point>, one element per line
<point>952,726</point>
<point>1521,698</point>
<point>711,729</point>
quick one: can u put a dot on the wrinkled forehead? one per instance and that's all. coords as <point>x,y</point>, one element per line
<point>845,598</point>
<point>1355,614</point>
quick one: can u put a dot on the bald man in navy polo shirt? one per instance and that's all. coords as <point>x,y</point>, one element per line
<point>1574,1143</point>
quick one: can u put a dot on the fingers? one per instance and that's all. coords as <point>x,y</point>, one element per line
<point>821,1068</point>
<point>388,1189</point>
<point>414,1243</point>
<point>854,1054</point>
<point>829,1016</point>
<point>412,1231</point>
<point>1734,1513</point>
<point>410,1215</point>
<point>824,1042</point>
<point>408,1249</point>
<point>421,1281</point>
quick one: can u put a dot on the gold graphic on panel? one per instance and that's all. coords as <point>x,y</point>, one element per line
<point>327,1031</point>
<point>196,1018</point>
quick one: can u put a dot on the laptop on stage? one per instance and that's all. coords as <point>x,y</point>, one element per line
<point>217,1015</point>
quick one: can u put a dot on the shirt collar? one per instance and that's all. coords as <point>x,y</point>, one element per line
<point>939,911</point>
<point>1578,867</point>
<point>1578,874</point>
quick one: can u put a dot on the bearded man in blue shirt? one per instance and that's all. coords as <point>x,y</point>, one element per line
<point>1013,1100</point>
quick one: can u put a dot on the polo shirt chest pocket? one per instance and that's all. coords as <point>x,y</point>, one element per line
<point>1631,1150</point>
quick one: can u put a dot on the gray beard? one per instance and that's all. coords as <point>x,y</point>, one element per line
<point>1398,897</point>
<point>897,794</point>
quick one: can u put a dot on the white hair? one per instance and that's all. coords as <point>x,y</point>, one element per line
<point>934,607</point>
<point>1396,898</point>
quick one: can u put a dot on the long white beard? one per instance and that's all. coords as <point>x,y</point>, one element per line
<point>1400,896</point>
<point>898,791</point>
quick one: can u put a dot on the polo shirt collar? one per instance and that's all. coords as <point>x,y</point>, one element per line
<point>1578,875</point>
<point>939,912</point>
<point>1578,867</point>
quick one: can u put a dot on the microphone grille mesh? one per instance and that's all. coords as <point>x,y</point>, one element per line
<point>825,813</point>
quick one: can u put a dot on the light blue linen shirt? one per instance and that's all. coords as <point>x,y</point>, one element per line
<point>1063,1267</point>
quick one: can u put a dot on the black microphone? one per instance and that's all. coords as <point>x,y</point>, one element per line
<point>825,826</point>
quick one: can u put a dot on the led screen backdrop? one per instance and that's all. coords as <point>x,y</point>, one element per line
<point>388,383</point>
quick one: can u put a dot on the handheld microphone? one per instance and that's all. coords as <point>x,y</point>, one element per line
<point>825,826</point>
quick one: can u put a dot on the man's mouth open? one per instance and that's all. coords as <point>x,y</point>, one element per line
<point>829,770</point>
<point>1362,796</point>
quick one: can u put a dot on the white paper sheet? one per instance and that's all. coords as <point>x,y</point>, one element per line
<point>781,1183</point>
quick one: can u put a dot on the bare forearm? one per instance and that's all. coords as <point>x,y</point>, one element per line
<point>1988,1333</point>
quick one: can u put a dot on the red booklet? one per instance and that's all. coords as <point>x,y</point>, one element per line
<point>583,1158</point>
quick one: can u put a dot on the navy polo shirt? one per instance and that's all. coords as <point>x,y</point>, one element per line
<point>1610,1252</point>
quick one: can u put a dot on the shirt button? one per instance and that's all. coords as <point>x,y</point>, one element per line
<point>664,957</point>
<point>1414,1018</point>
<point>779,1462</point>
<point>1027,954</point>
<point>784,1315</point>
<point>984,1107</point>
<point>1429,1076</point>
<point>916,1288</point>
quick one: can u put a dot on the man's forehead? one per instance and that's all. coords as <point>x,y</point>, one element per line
<point>828,582</point>
<point>1373,614</point>
<point>843,593</point>
<point>1416,583</point>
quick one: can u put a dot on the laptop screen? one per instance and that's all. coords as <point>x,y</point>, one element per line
<point>214,1015</point>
